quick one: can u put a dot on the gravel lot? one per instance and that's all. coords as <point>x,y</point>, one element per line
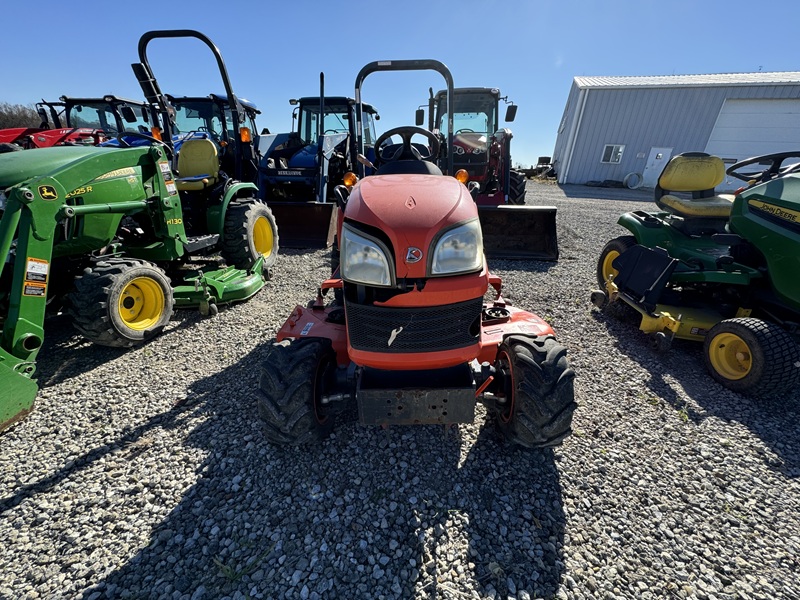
<point>143,473</point>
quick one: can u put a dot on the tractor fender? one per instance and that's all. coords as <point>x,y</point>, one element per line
<point>216,214</point>
<point>648,228</point>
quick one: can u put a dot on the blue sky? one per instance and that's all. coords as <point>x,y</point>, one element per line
<point>274,51</point>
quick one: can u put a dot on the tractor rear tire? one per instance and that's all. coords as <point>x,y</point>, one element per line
<point>121,302</point>
<point>751,356</point>
<point>607,255</point>
<point>516,188</point>
<point>293,380</point>
<point>539,390</point>
<point>250,233</point>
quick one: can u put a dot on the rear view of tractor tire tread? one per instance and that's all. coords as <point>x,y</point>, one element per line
<point>250,233</point>
<point>767,354</point>
<point>542,390</point>
<point>102,292</point>
<point>516,188</point>
<point>289,383</point>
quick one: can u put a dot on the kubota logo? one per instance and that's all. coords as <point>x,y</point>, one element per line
<point>410,203</point>
<point>413,255</point>
<point>48,192</point>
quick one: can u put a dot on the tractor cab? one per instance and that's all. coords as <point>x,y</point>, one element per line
<point>115,116</point>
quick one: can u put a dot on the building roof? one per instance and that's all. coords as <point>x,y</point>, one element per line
<point>714,79</point>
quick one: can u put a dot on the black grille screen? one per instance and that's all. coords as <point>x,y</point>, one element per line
<point>424,329</point>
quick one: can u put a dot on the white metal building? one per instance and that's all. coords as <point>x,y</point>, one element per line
<point>627,128</point>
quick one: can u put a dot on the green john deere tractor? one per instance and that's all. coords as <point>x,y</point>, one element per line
<point>719,269</point>
<point>113,236</point>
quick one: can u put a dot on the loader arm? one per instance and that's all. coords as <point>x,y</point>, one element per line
<point>30,219</point>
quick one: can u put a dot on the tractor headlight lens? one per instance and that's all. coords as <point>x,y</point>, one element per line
<point>364,259</point>
<point>459,250</point>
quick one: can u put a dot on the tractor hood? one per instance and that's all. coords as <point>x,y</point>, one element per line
<point>411,210</point>
<point>19,166</point>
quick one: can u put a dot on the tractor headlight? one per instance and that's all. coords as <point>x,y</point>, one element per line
<point>2,201</point>
<point>364,259</point>
<point>458,250</point>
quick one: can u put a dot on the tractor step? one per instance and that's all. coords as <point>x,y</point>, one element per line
<point>198,242</point>
<point>409,397</point>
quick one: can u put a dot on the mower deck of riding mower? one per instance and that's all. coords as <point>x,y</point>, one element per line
<point>408,337</point>
<point>718,269</point>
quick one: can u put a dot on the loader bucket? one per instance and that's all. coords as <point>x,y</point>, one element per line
<point>521,232</point>
<point>305,224</point>
<point>17,389</point>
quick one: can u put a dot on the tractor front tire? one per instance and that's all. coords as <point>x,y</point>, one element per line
<point>516,188</point>
<point>250,233</point>
<point>607,255</point>
<point>540,395</point>
<point>121,302</point>
<point>751,356</point>
<point>294,377</point>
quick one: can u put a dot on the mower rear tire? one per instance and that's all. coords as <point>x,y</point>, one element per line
<point>607,255</point>
<point>516,188</point>
<point>294,378</point>
<point>539,390</point>
<point>751,356</point>
<point>121,302</point>
<point>250,233</point>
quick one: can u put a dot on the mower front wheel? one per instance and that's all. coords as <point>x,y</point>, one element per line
<point>250,233</point>
<point>752,356</point>
<point>121,302</point>
<point>607,255</point>
<point>539,391</point>
<point>295,376</point>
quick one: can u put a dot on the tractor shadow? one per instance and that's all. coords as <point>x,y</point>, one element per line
<point>65,354</point>
<point>774,420</point>
<point>397,513</point>
<point>606,192</point>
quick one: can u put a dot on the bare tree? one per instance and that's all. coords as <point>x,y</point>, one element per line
<point>18,115</point>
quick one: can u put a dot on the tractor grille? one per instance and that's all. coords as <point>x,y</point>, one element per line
<point>423,329</point>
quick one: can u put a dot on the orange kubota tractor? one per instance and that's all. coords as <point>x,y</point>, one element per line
<point>408,337</point>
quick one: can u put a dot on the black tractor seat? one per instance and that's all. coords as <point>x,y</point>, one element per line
<point>409,167</point>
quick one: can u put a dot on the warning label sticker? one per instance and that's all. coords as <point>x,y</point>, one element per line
<point>171,188</point>
<point>34,289</point>
<point>36,270</point>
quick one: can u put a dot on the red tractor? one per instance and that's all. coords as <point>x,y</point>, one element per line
<point>408,337</point>
<point>77,122</point>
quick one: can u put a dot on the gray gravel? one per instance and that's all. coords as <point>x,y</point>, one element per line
<point>143,473</point>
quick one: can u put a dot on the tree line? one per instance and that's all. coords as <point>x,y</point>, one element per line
<point>18,115</point>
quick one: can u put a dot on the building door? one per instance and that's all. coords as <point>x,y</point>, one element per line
<point>658,159</point>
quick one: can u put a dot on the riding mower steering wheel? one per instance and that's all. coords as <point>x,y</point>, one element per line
<point>771,172</point>
<point>406,151</point>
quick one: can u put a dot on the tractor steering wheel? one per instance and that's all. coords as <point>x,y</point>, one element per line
<point>407,151</point>
<point>771,172</point>
<point>124,143</point>
<point>465,130</point>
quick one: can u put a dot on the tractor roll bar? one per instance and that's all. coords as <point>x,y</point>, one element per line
<point>406,65</point>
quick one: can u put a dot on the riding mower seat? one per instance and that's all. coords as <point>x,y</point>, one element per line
<point>198,165</point>
<point>697,173</point>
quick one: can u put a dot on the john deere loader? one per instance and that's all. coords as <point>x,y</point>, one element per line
<point>113,236</point>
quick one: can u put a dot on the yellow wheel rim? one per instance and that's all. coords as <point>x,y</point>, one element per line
<point>730,356</point>
<point>141,303</point>
<point>263,239</point>
<point>608,270</point>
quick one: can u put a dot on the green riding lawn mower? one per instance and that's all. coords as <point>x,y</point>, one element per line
<point>117,238</point>
<point>723,270</point>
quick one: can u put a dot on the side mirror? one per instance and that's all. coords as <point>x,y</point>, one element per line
<point>420,117</point>
<point>127,114</point>
<point>511,113</point>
